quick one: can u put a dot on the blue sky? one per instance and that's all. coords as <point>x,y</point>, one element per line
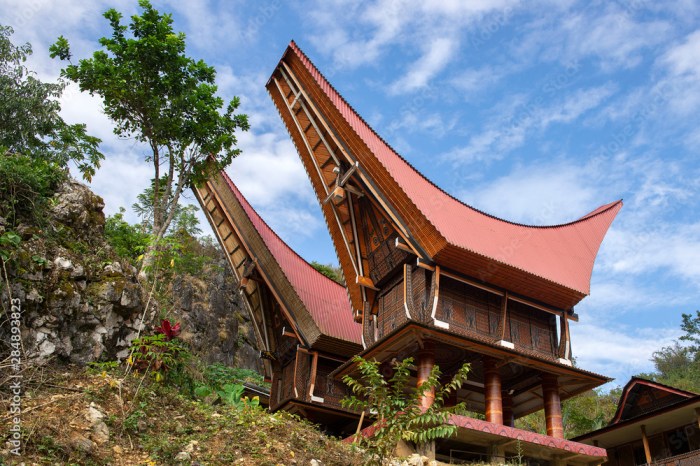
<point>536,112</point>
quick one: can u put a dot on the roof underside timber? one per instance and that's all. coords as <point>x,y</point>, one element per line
<point>325,300</point>
<point>552,264</point>
<point>641,396</point>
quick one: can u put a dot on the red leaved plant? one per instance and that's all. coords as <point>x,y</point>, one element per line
<point>170,331</point>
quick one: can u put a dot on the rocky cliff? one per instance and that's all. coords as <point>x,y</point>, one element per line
<point>81,302</point>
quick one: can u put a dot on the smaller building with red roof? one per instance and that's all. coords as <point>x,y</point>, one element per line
<point>654,424</point>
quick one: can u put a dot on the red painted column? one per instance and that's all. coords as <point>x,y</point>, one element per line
<point>426,361</point>
<point>508,416</point>
<point>492,391</point>
<point>552,406</point>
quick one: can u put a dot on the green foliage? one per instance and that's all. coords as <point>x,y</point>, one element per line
<point>581,414</point>
<point>166,359</point>
<point>30,123</point>
<point>691,327</point>
<point>217,375</point>
<point>157,95</point>
<point>226,383</point>
<point>334,273</point>
<point>397,405</point>
<point>128,241</point>
<point>132,420</point>
<point>9,242</point>
<point>102,367</point>
<point>26,185</point>
<point>678,365</point>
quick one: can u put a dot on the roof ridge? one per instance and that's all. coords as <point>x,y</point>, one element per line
<point>605,207</point>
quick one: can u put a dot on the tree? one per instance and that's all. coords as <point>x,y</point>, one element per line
<point>397,405</point>
<point>691,327</point>
<point>156,94</point>
<point>30,123</point>
<point>334,273</point>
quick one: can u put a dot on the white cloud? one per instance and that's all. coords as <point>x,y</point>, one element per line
<point>360,33</point>
<point>622,352</point>
<point>613,37</point>
<point>541,195</point>
<point>475,80</point>
<point>685,58</point>
<point>121,178</point>
<point>681,85</point>
<point>209,24</point>
<point>269,171</point>
<point>436,56</point>
<point>675,250</point>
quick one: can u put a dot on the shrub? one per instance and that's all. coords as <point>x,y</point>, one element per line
<point>128,241</point>
<point>397,405</point>
<point>26,185</point>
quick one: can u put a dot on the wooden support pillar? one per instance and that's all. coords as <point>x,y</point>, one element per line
<point>552,406</point>
<point>508,416</point>
<point>645,442</point>
<point>426,361</point>
<point>492,391</point>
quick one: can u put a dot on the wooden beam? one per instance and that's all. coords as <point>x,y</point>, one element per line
<point>645,442</point>
<point>296,365</point>
<point>211,193</point>
<point>314,365</point>
<point>346,176</point>
<point>247,248</point>
<point>425,264</point>
<point>400,226</point>
<point>365,282</point>
<point>433,313</point>
<point>400,244</point>
<point>504,313</point>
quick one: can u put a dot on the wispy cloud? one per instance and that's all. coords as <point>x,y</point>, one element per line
<point>436,56</point>
<point>508,131</point>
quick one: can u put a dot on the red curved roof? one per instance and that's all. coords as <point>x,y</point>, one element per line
<point>325,299</point>
<point>562,254</point>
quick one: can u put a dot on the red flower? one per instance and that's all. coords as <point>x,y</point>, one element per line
<point>170,331</point>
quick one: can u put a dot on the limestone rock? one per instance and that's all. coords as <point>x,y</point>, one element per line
<point>100,431</point>
<point>81,302</point>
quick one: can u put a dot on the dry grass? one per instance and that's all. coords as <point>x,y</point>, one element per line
<point>150,424</point>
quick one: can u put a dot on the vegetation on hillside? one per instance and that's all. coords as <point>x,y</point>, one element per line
<point>100,416</point>
<point>678,365</point>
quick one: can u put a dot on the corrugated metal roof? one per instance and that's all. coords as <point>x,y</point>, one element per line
<point>326,300</point>
<point>563,254</point>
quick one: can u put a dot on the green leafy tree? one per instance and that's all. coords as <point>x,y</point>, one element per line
<point>334,273</point>
<point>396,404</point>
<point>678,365</point>
<point>30,123</point>
<point>156,94</point>
<point>691,327</point>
